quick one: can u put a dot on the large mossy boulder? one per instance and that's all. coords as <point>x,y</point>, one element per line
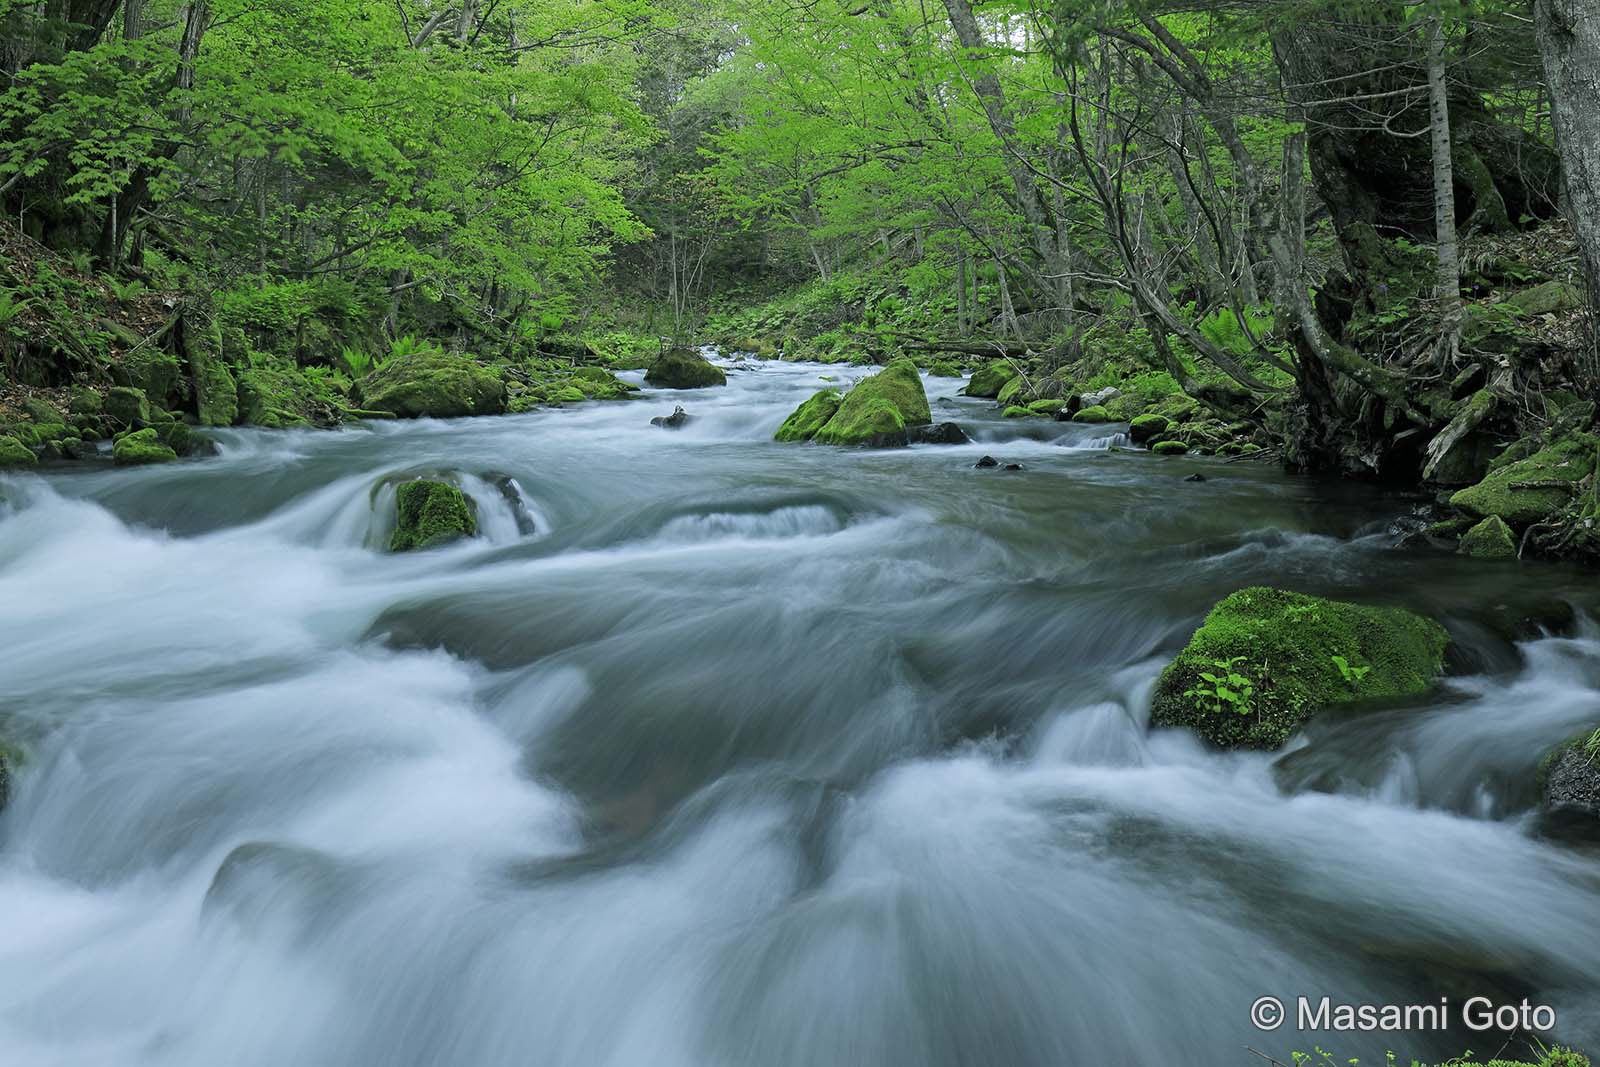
<point>684,368</point>
<point>879,408</point>
<point>1144,427</point>
<point>127,406</point>
<point>1299,655</point>
<point>430,514</point>
<point>141,447</point>
<point>1527,490</point>
<point>13,453</point>
<point>151,369</point>
<point>435,384</point>
<point>1489,539</point>
<point>804,422</point>
<point>1092,413</point>
<point>989,379</point>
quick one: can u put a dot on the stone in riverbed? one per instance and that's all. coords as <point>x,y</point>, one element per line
<point>684,368</point>
<point>14,453</point>
<point>127,406</point>
<point>1490,539</point>
<point>987,461</point>
<point>1169,448</point>
<point>141,447</point>
<point>431,514</point>
<point>943,433</point>
<point>989,379</point>
<point>433,383</point>
<point>676,421</point>
<point>1092,413</point>
<point>1569,786</point>
<point>1144,427</point>
<point>811,416</point>
<point>1527,490</point>
<point>884,409</point>
<point>1288,647</point>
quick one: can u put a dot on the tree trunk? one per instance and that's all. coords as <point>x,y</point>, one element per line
<point>1447,281</point>
<point>1569,43</point>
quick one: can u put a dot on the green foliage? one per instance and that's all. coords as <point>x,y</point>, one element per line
<point>1351,675</point>
<point>1223,688</point>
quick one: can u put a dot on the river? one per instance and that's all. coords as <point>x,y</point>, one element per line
<point>716,751</point>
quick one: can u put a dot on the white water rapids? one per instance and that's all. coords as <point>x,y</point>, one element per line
<point>713,751</point>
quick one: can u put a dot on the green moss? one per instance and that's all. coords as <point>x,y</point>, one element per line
<point>1490,539</point>
<point>1014,389</point>
<point>1169,448</point>
<point>567,394</point>
<point>85,401</point>
<point>945,368</point>
<point>127,406</point>
<point>811,416</point>
<point>142,446</point>
<point>1545,298</point>
<point>1126,407</point>
<point>14,453</point>
<point>1046,407</point>
<point>1145,427</point>
<point>1016,411</point>
<point>216,394</point>
<point>41,411</point>
<point>1287,642</point>
<point>151,369</point>
<point>989,379</point>
<point>430,514</point>
<point>1093,413</point>
<point>1527,490</point>
<point>886,402</point>
<point>684,368</point>
<point>435,384</point>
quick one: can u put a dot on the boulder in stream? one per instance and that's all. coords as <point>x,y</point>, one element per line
<point>1527,490</point>
<point>684,368</point>
<point>1266,660</point>
<point>433,383</point>
<point>989,379</point>
<point>14,453</point>
<point>888,409</point>
<point>430,514</point>
<point>1490,539</point>
<point>676,421</point>
<point>142,446</point>
<point>1569,788</point>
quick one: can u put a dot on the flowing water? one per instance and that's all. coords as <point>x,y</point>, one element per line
<point>715,751</point>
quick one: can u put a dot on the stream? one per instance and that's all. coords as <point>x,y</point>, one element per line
<point>720,752</point>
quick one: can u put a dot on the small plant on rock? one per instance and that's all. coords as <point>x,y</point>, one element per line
<point>1223,688</point>
<point>1351,675</point>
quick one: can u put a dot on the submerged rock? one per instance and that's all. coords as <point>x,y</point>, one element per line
<point>1569,786</point>
<point>989,379</point>
<point>943,433</point>
<point>1196,477</point>
<point>431,514</point>
<point>684,368</point>
<point>676,421</point>
<point>1265,660</point>
<point>987,461</point>
<point>142,446</point>
<point>433,383</point>
<point>1013,467</point>
<point>1490,539</point>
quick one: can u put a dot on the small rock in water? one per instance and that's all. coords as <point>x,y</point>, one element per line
<point>943,433</point>
<point>987,461</point>
<point>677,420</point>
<point>1013,467</point>
<point>1197,477</point>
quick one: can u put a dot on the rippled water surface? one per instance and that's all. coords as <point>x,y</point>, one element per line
<point>715,751</point>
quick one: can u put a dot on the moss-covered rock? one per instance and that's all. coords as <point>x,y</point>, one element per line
<point>82,400</point>
<point>433,383</point>
<point>1569,788</point>
<point>42,411</point>
<point>1093,413</point>
<point>1144,427</point>
<point>1526,490</point>
<point>1289,647</point>
<point>431,513</point>
<point>945,368</point>
<point>684,368</point>
<point>1170,448</point>
<point>989,379</point>
<point>1545,298</point>
<point>13,453</point>
<point>1490,539</point>
<point>141,446</point>
<point>811,416</point>
<point>1046,407</point>
<point>216,394</point>
<point>1017,411</point>
<point>127,406</point>
<point>885,403</point>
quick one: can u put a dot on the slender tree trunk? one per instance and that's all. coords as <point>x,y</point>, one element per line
<point>1569,43</point>
<point>1447,282</point>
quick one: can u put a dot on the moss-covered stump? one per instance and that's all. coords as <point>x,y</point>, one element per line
<point>1569,789</point>
<point>684,368</point>
<point>885,403</point>
<point>140,447</point>
<point>1489,539</point>
<point>127,406</point>
<point>1527,490</point>
<point>14,453</point>
<point>1289,647</point>
<point>430,514</point>
<point>434,384</point>
<point>811,416</point>
<point>1093,413</point>
<point>989,379</point>
<point>1144,427</point>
